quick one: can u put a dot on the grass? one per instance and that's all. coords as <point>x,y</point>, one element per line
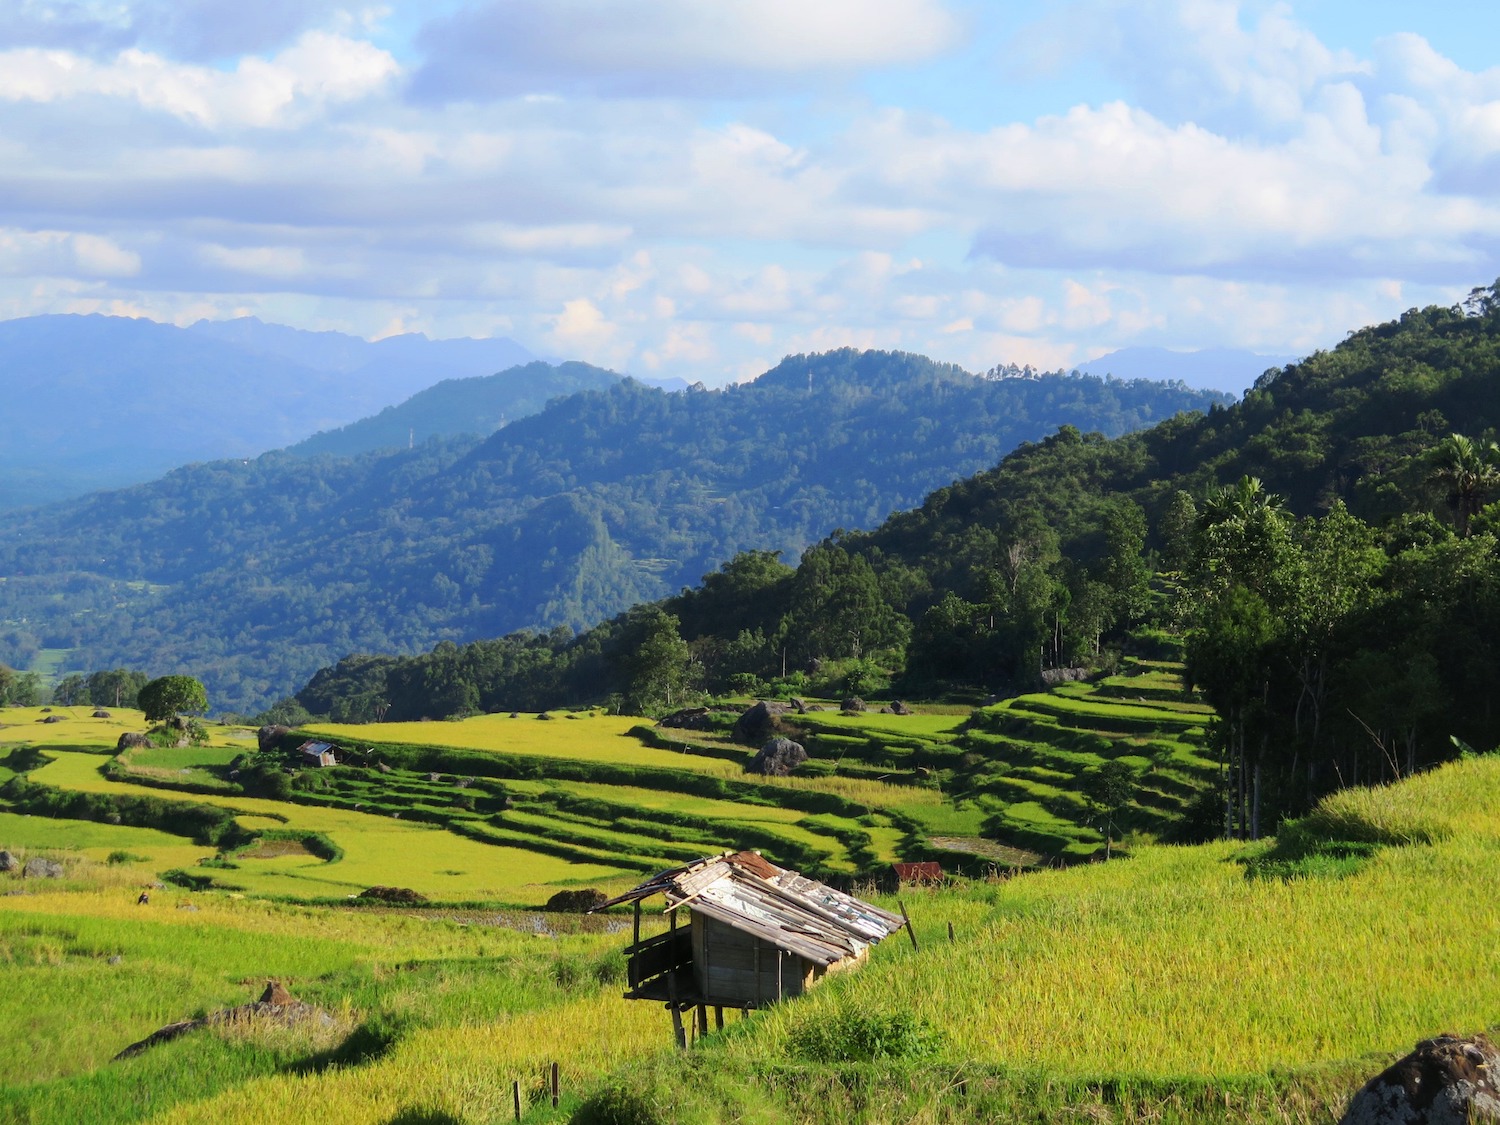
<point>1168,987</point>
<point>597,738</point>
<point>378,850</point>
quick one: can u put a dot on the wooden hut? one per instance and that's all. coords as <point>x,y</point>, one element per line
<point>318,753</point>
<point>745,933</point>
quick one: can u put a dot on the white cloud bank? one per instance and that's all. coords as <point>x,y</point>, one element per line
<point>555,171</point>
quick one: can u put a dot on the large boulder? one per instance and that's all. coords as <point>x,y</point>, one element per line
<point>399,896</point>
<point>576,902</point>
<point>853,704</point>
<point>689,718</point>
<point>1445,1081</point>
<point>39,868</point>
<point>758,723</point>
<point>8,862</point>
<point>268,736</point>
<point>102,714</point>
<point>778,757</point>
<point>132,740</point>
<point>54,719</point>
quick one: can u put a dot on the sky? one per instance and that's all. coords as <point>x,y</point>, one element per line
<point>695,189</point>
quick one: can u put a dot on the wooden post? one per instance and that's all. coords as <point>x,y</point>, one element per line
<point>911,933</point>
<point>950,933</point>
<point>780,992</point>
<point>637,922</point>
<point>702,1020</point>
<point>556,1086</point>
<point>677,1029</point>
<point>515,1092</point>
<point>718,1017</point>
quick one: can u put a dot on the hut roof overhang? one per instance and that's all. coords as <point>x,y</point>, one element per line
<point>745,891</point>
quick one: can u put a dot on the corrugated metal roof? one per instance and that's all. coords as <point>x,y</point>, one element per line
<point>748,892</point>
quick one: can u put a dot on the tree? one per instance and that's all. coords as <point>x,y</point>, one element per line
<point>653,657</point>
<point>1467,471</point>
<point>167,696</point>
<point>1109,788</point>
<point>117,687</point>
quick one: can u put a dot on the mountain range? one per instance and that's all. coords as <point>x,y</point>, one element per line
<point>254,572</point>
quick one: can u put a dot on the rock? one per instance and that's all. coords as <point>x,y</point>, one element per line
<point>39,868</point>
<point>576,902</point>
<point>758,723</point>
<point>1444,1081</point>
<point>102,714</point>
<point>8,862</point>
<point>689,718</point>
<point>45,710</point>
<point>383,768</point>
<point>852,704</point>
<point>1054,676</point>
<point>115,960</point>
<point>462,782</point>
<point>886,710</point>
<point>899,708</point>
<point>778,757</point>
<point>131,740</point>
<point>269,735</point>
<point>435,778</point>
<point>401,896</point>
<point>276,995</point>
<point>53,719</point>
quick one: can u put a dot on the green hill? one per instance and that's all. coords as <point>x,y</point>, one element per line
<point>253,574</point>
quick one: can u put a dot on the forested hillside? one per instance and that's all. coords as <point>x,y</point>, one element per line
<point>1327,549</point>
<point>252,574</point>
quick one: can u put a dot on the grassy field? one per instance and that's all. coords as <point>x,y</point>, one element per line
<point>1218,983</point>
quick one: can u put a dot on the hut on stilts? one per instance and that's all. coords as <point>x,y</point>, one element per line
<point>744,933</point>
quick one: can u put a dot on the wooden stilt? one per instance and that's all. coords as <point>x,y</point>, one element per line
<point>950,933</point>
<point>702,1020</point>
<point>718,1018</point>
<point>515,1092</point>
<point>556,1086</point>
<point>677,1029</point>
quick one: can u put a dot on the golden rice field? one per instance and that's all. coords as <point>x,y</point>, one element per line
<point>585,736</point>
<point>1175,967</point>
<point>377,849</point>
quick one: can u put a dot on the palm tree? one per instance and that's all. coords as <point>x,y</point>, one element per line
<point>1468,470</point>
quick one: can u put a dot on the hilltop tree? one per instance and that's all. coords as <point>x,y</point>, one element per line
<point>653,658</point>
<point>167,696</point>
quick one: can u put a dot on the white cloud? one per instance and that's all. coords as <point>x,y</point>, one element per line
<point>319,69</point>
<point>56,253</point>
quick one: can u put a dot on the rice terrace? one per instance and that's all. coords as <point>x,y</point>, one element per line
<point>398,901</point>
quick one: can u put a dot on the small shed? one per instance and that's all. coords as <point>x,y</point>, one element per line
<point>927,872</point>
<point>745,933</point>
<point>318,753</point>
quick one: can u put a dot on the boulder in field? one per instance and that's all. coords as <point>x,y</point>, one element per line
<point>102,714</point>
<point>39,868</point>
<point>399,896</point>
<point>689,718</point>
<point>269,735</point>
<point>1444,1081</point>
<point>132,740</point>
<point>758,723</point>
<point>576,902</point>
<point>53,719</point>
<point>778,757</point>
<point>8,862</point>
<point>853,704</point>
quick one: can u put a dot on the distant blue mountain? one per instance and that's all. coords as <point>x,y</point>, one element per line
<point>1215,369</point>
<point>100,402</point>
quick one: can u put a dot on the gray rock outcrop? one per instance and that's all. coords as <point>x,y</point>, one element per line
<point>132,740</point>
<point>778,757</point>
<point>853,703</point>
<point>8,862</point>
<point>760,722</point>
<point>39,868</point>
<point>576,902</point>
<point>1444,1081</point>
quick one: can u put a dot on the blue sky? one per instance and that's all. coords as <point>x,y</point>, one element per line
<point>673,187</point>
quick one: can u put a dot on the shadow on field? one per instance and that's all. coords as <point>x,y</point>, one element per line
<point>365,1044</point>
<point>423,1117</point>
